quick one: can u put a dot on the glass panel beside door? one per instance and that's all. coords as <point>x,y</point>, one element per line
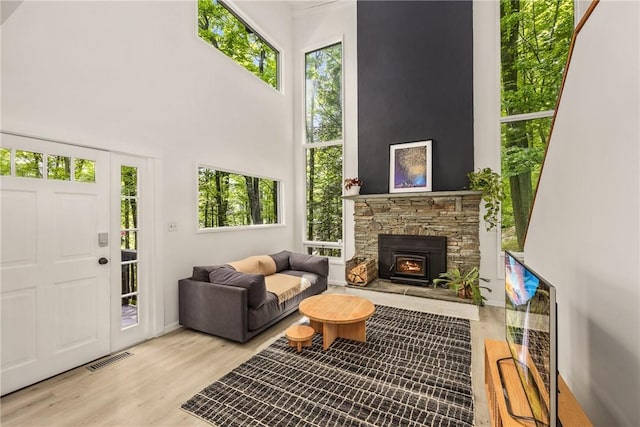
<point>129,258</point>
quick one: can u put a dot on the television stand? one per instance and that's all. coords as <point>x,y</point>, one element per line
<point>569,411</point>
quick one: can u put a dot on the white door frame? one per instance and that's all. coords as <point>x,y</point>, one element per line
<point>148,297</point>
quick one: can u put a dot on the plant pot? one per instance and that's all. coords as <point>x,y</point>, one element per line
<point>465,293</point>
<point>354,190</point>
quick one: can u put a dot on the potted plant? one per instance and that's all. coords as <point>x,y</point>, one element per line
<point>490,183</point>
<point>464,284</point>
<point>352,186</point>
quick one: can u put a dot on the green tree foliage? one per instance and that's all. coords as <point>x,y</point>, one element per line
<point>129,206</point>
<point>59,167</point>
<point>29,164</point>
<point>5,161</point>
<point>535,39</point>
<point>269,200</point>
<point>323,89</point>
<point>324,194</point>
<point>129,198</point>
<point>221,28</point>
<point>254,199</point>
<point>228,199</point>
<point>323,79</point>
<point>84,170</point>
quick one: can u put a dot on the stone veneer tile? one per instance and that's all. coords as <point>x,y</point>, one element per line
<point>455,215</point>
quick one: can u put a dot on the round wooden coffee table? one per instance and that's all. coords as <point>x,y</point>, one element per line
<point>337,316</point>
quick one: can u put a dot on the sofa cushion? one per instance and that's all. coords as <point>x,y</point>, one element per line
<point>310,263</point>
<point>282,260</point>
<point>201,273</point>
<point>253,283</point>
<point>258,264</point>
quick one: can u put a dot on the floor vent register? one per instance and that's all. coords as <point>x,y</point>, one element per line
<point>108,360</point>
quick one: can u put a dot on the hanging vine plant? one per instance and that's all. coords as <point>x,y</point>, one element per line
<point>490,183</point>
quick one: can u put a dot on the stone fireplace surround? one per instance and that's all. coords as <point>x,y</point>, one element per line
<point>452,214</point>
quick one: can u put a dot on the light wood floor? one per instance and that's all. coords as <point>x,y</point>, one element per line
<point>148,388</point>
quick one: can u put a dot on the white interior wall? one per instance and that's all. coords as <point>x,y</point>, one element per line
<point>134,77</point>
<point>314,28</point>
<point>585,227</point>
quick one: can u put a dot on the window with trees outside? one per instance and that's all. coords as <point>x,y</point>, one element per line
<point>227,199</point>
<point>222,28</point>
<point>535,38</point>
<point>29,164</point>
<point>323,151</point>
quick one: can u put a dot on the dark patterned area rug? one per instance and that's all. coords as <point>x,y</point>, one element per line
<point>414,370</point>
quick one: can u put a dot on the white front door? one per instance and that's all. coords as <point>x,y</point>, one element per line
<point>55,287</point>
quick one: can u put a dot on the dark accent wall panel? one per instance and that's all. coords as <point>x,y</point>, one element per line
<point>415,82</point>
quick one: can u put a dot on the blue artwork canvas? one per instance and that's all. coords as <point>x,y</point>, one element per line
<point>410,167</point>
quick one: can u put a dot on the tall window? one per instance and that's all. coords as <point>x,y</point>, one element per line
<point>129,234</point>
<point>227,199</point>
<point>219,26</point>
<point>535,40</point>
<point>323,149</point>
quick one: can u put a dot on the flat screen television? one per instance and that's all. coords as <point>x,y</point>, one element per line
<point>530,320</point>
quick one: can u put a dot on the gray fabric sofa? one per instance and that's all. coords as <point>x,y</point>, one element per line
<point>222,301</point>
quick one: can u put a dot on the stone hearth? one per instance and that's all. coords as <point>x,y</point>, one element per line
<point>382,285</point>
<point>452,214</point>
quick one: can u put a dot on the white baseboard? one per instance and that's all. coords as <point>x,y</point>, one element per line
<point>171,327</point>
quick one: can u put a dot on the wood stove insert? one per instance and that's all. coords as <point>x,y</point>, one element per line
<point>411,259</point>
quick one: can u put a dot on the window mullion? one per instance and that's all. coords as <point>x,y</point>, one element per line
<point>526,116</point>
<point>323,144</point>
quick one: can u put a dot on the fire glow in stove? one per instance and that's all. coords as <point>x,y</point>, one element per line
<point>411,259</point>
<point>410,267</point>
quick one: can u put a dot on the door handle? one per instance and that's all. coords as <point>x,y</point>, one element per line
<point>103,261</point>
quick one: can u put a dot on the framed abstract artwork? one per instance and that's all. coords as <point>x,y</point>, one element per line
<point>410,167</point>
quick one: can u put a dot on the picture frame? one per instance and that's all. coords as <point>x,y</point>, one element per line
<point>410,167</point>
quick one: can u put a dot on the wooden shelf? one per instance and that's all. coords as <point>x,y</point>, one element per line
<point>569,410</point>
<point>442,194</point>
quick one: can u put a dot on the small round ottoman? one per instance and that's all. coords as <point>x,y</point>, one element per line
<point>299,336</point>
